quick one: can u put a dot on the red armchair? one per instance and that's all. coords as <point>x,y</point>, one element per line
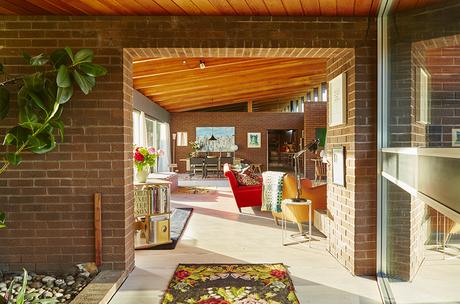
<point>245,196</point>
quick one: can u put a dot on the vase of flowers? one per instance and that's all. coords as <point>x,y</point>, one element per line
<point>196,146</point>
<point>144,158</point>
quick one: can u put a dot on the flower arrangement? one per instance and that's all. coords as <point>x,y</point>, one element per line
<point>146,156</point>
<point>196,146</point>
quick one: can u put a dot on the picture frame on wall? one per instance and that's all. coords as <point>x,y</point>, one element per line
<point>338,166</point>
<point>455,137</point>
<point>422,91</point>
<point>254,139</point>
<point>338,100</point>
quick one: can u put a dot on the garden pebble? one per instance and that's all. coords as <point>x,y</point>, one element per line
<point>62,288</point>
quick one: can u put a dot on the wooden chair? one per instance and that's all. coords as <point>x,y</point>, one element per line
<point>211,165</point>
<point>197,165</point>
<point>320,169</point>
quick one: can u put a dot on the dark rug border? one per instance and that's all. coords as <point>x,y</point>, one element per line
<point>238,264</point>
<point>180,235</point>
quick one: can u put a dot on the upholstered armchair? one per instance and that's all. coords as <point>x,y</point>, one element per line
<point>299,214</point>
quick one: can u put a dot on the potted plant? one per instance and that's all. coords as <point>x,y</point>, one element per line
<point>196,146</point>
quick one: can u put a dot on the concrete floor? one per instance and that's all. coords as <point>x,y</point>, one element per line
<point>437,280</point>
<point>217,233</point>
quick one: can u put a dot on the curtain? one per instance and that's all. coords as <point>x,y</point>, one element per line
<point>165,145</point>
<point>143,130</point>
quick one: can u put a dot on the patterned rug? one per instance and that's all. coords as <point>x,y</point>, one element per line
<point>230,284</point>
<point>194,190</point>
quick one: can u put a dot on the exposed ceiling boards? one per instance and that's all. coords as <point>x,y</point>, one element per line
<point>179,84</point>
<point>191,7</point>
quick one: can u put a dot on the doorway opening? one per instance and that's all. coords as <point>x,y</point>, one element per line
<point>282,145</point>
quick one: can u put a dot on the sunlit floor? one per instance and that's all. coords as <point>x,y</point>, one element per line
<point>217,233</point>
<point>437,280</point>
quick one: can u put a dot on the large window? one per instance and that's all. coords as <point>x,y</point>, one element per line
<point>419,231</point>
<point>152,133</point>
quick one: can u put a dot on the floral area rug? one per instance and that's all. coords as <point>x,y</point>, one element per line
<point>230,284</point>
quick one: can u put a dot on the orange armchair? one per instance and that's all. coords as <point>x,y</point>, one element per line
<point>299,214</point>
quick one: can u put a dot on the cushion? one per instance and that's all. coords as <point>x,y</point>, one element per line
<point>246,178</point>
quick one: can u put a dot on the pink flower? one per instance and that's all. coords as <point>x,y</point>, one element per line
<point>161,152</point>
<point>151,150</point>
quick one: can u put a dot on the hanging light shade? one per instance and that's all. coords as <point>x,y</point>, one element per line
<point>212,135</point>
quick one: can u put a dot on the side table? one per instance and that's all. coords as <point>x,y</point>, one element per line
<point>297,202</point>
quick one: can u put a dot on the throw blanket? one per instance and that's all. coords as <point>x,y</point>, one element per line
<point>272,191</point>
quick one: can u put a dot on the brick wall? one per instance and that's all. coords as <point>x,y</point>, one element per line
<point>49,198</point>
<point>243,122</point>
<point>443,64</point>
<point>315,116</point>
<point>353,207</point>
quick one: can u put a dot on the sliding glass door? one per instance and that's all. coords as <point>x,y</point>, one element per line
<point>419,155</point>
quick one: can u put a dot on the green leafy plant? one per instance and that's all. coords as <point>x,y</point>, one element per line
<point>23,296</point>
<point>41,96</point>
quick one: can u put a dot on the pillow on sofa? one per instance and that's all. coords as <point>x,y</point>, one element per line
<point>247,178</point>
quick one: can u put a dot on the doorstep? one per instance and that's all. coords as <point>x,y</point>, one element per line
<point>102,288</point>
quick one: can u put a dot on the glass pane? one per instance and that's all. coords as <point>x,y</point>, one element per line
<point>422,252</point>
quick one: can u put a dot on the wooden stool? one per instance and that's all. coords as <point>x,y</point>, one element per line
<point>256,168</point>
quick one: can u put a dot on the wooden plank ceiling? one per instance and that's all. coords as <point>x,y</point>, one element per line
<point>191,7</point>
<point>179,84</point>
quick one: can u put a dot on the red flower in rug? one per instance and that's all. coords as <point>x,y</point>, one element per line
<point>138,157</point>
<point>280,274</point>
<point>182,274</point>
<point>213,301</point>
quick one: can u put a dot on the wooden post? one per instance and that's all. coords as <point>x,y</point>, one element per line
<point>98,228</point>
<point>250,106</point>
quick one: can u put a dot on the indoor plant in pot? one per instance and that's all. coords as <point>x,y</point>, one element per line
<point>144,158</point>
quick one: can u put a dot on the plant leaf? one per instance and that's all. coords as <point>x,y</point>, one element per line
<point>16,136</point>
<point>39,60</point>
<point>4,102</point>
<point>14,159</point>
<point>38,101</point>
<point>85,83</point>
<point>58,124</point>
<point>64,94</point>
<point>2,68</point>
<point>69,52</point>
<point>59,57</point>
<point>34,81</point>
<point>27,57</point>
<point>83,55</point>
<point>2,222</point>
<point>47,143</point>
<point>63,77</point>
<point>92,69</point>
<point>23,290</point>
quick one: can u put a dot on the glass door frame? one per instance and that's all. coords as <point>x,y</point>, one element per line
<point>382,135</point>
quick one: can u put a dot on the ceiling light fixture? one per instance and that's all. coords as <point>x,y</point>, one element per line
<point>202,65</point>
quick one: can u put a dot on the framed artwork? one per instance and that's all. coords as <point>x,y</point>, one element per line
<point>223,139</point>
<point>338,166</point>
<point>182,139</point>
<point>423,103</point>
<point>254,139</point>
<point>455,137</point>
<point>338,100</point>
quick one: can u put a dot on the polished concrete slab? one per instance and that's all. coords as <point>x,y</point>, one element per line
<point>217,233</point>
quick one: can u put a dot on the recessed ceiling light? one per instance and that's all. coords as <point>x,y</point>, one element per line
<point>202,65</point>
